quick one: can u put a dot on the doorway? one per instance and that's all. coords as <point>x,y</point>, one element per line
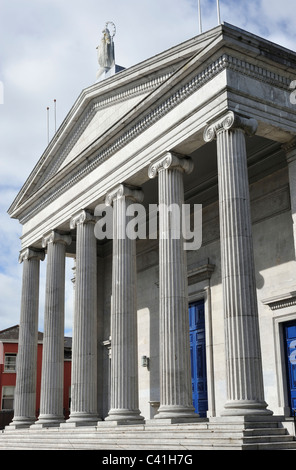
<point>290,348</point>
<point>198,357</point>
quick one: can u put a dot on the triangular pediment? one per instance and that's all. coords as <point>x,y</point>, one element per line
<point>96,119</point>
<point>105,110</point>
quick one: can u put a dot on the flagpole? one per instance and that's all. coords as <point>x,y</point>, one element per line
<point>55,115</point>
<point>218,12</point>
<point>199,17</point>
<point>47,109</point>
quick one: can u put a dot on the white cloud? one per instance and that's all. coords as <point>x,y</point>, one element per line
<point>10,300</point>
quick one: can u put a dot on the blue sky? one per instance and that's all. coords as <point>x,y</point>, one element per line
<point>48,51</point>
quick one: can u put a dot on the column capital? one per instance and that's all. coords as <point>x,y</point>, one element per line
<point>55,237</point>
<point>82,217</point>
<point>290,150</point>
<point>31,253</point>
<point>170,160</point>
<point>123,190</point>
<point>228,121</point>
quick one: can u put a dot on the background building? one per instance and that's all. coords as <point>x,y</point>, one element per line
<point>8,357</point>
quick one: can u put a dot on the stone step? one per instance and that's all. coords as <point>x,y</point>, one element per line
<point>177,437</point>
<point>265,431</point>
<point>119,446</point>
<point>174,435</point>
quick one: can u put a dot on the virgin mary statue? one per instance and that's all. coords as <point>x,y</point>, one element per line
<point>106,56</point>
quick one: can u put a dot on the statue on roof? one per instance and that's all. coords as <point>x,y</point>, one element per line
<point>106,55</point>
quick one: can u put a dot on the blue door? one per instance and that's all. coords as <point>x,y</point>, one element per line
<point>198,357</point>
<point>290,344</point>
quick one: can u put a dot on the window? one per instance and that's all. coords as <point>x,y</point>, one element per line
<point>7,398</point>
<point>10,362</point>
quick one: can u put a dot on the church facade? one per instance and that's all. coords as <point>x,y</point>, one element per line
<point>167,328</point>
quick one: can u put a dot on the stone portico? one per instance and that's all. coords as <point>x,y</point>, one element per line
<point>207,122</point>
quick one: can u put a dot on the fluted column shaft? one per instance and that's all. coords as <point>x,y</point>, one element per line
<point>175,366</point>
<point>52,378</point>
<point>124,400</point>
<point>243,354</point>
<point>84,347</point>
<point>25,390</point>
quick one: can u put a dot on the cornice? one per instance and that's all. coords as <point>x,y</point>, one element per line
<point>260,73</point>
<point>225,61</point>
<point>285,300</point>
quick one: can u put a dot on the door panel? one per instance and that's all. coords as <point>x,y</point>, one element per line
<point>198,357</point>
<point>290,344</point>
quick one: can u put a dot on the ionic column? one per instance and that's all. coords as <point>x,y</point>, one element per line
<point>84,347</point>
<point>243,354</point>
<point>175,365</point>
<point>25,390</point>
<point>52,378</point>
<point>290,150</point>
<point>124,400</point>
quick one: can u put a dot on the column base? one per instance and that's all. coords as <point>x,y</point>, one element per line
<point>47,421</point>
<point>124,417</point>
<point>19,423</point>
<point>246,408</point>
<point>176,414</point>
<point>80,419</point>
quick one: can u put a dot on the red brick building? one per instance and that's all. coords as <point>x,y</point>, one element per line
<point>8,355</point>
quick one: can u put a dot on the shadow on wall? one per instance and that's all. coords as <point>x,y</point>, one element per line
<point>6,417</point>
